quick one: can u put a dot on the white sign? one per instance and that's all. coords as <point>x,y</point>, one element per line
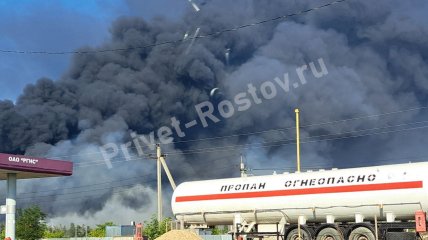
<point>23,160</point>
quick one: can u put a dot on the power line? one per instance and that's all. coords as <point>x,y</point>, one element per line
<point>83,186</point>
<point>101,183</point>
<point>291,141</point>
<point>77,192</point>
<point>102,162</point>
<point>208,35</point>
<point>306,167</point>
<point>311,137</point>
<point>268,144</point>
<point>303,126</point>
<point>312,167</point>
<point>122,160</point>
<point>251,133</point>
<point>80,197</point>
<point>223,158</point>
<point>327,165</point>
<point>309,167</point>
<point>94,192</point>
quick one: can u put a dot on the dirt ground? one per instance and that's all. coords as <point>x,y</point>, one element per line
<point>179,235</point>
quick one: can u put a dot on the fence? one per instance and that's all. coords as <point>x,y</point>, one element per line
<point>92,238</point>
<point>216,237</point>
<point>204,237</point>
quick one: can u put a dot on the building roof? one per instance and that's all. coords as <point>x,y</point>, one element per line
<point>33,167</point>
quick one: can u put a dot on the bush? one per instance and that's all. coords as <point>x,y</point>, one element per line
<point>152,228</point>
<point>100,230</point>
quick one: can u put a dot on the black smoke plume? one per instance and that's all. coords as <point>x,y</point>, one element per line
<point>375,52</point>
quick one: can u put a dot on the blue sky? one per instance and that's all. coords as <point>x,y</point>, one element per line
<point>57,25</point>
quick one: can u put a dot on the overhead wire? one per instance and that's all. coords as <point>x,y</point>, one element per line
<point>219,137</point>
<point>80,197</point>
<point>303,126</point>
<point>307,167</point>
<point>253,132</point>
<point>77,192</point>
<point>93,192</point>
<point>131,186</point>
<point>213,149</point>
<point>171,42</point>
<point>82,186</point>
<point>97,184</point>
<point>324,166</point>
<point>220,32</point>
<point>267,144</point>
<point>206,36</point>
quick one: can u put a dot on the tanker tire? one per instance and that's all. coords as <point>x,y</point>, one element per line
<point>330,234</point>
<point>361,233</point>
<point>294,235</point>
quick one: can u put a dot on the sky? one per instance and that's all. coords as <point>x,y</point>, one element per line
<point>61,25</point>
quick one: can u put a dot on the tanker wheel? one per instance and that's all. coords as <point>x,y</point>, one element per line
<point>330,234</point>
<point>294,235</point>
<point>361,233</point>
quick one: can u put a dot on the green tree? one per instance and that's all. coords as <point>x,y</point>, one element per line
<point>71,232</point>
<point>100,230</point>
<point>219,230</point>
<point>30,223</point>
<point>54,232</point>
<point>81,230</point>
<point>152,228</point>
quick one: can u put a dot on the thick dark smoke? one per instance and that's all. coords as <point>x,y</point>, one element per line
<point>375,52</point>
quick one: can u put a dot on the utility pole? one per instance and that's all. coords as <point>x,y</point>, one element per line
<point>159,178</point>
<point>242,168</point>
<point>161,163</point>
<point>86,231</point>
<point>10,206</point>
<point>298,138</point>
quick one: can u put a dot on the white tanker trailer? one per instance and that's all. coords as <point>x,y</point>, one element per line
<point>329,205</point>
